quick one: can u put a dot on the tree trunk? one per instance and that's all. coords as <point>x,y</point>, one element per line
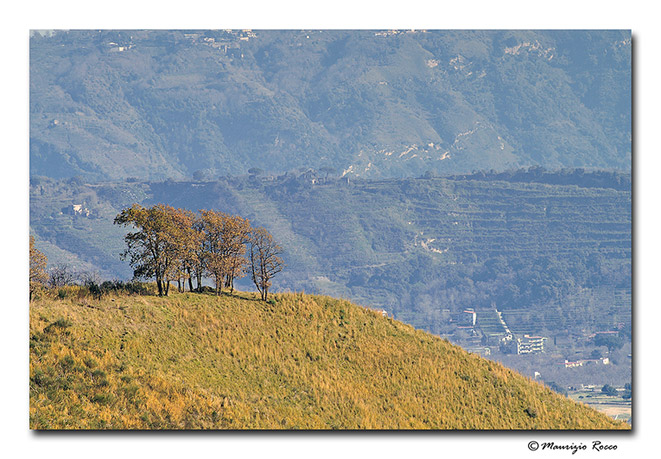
<point>259,289</point>
<point>190,279</point>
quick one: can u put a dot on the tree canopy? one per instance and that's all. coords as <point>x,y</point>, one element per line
<point>225,238</point>
<point>154,248</point>
<point>176,244</point>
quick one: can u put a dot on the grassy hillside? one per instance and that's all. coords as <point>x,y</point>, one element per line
<point>195,361</point>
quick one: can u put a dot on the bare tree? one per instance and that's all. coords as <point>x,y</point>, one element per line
<point>61,275</point>
<point>89,278</point>
<point>265,261</point>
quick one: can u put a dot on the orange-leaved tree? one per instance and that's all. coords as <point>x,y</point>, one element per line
<point>225,238</point>
<point>186,239</point>
<point>197,258</point>
<point>237,235</point>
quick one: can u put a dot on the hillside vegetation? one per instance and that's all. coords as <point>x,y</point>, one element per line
<point>196,361</point>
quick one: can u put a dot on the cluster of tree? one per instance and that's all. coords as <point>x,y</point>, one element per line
<point>627,391</point>
<point>611,341</point>
<point>618,180</point>
<point>178,245</point>
<point>609,390</point>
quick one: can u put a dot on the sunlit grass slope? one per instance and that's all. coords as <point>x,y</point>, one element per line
<point>195,361</point>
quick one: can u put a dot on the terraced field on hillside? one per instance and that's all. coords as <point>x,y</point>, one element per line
<point>414,247</point>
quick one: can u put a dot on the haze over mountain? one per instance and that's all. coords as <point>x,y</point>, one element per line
<point>170,104</point>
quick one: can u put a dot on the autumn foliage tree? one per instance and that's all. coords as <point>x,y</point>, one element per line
<point>176,244</point>
<point>237,236</point>
<point>197,257</point>
<point>225,238</point>
<point>152,250</point>
<point>186,241</point>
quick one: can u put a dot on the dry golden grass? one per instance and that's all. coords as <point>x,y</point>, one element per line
<point>195,361</point>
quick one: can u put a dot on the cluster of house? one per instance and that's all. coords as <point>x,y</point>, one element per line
<point>526,344</point>
<point>118,48</point>
<point>583,362</point>
<point>530,344</point>
<point>77,210</point>
<point>389,33</point>
<point>476,340</point>
<point>228,45</point>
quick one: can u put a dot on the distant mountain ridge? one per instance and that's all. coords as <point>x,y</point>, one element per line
<point>171,104</point>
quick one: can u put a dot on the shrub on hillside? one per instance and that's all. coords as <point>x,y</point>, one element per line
<point>117,286</point>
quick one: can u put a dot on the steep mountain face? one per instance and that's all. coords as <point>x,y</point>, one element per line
<point>197,361</point>
<point>173,104</point>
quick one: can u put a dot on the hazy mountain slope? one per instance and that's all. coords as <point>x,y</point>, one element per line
<point>380,236</point>
<point>158,104</point>
<point>299,362</point>
<point>416,247</point>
